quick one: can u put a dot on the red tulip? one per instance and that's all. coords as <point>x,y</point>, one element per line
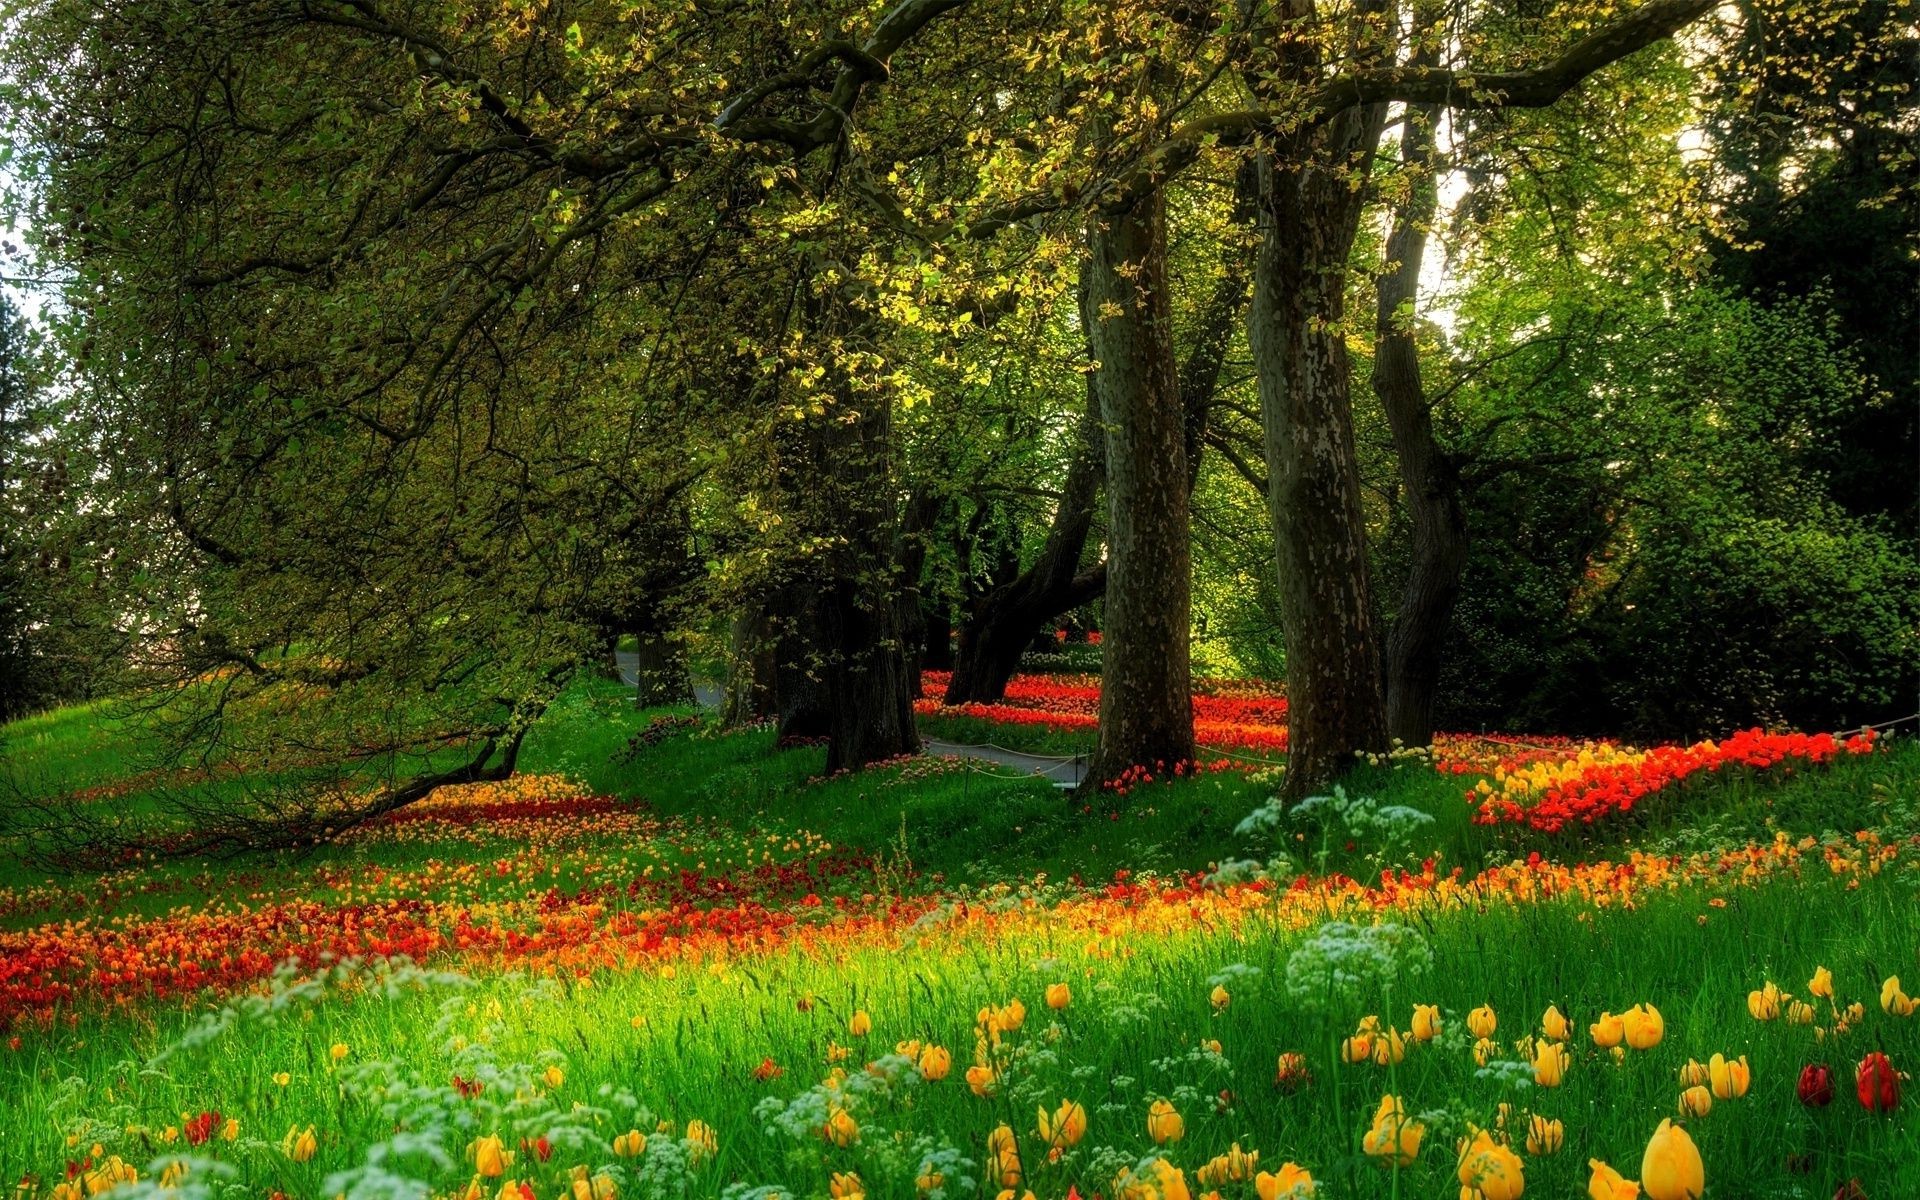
<point>1878,1083</point>
<point>200,1128</point>
<point>1816,1085</point>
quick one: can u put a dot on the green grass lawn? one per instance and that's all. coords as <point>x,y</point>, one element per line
<point>694,948</point>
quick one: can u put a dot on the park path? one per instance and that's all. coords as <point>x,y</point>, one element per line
<point>990,759</point>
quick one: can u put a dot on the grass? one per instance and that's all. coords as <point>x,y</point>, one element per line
<point>777,903</point>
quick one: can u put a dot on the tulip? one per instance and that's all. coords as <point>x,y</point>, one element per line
<point>1606,1183</point>
<point>1696,1101</point>
<point>1671,1168</point>
<point>1003,1151</point>
<point>1164,1123</point>
<point>554,1077</point>
<point>1292,1074</point>
<point>1695,1072</point>
<point>300,1144</point>
<point>1291,1182</point>
<point>1059,995</point>
<point>1893,1001</point>
<point>1549,1064</point>
<point>1389,1048</point>
<point>1234,1166</point>
<point>1554,1025</point>
<point>841,1129</point>
<point>935,1062</point>
<point>338,1051</point>
<point>1799,1012</point>
<point>845,1185</point>
<point>1607,1031</point>
<point>1877,1083</point>
<point>702,1142</point>
<point>1544,1135</point>
<point>1482,1022</point>
<point>1644,1027</point>
<point>1394,1136</point>
<point>231,1130</point>
<point>980,1079</point>
<point>860,1024</point>
<point>1490,1171</point>
<point>1484,1050</point>
<point>490,1156</point>
<point>1764,1003</point>
<point>1815,1088</point>
<point>1064,1127</point>
<point>1357,1049</point>
<point>629,1144</point>
<point>1730,1079</point>
<point>1220,998</point>
<point>1822,983</point>
<point>1426,1022</point>
<point>281,1078</point>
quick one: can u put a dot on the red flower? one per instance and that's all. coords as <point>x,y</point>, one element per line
<point>200,1128</point>
<point>768,1069</point>
<point>539,1147</point>
<point>1816,1085</point>
<point>1878,1083</point>
<point>467,1087</point>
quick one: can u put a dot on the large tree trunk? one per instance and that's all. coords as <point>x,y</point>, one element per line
<point>1310,212</point>
<point>661,548</point>
<point>661,673</point>
<point>1428,475</point>
<point>1146,700</point>
<point>752,689</point>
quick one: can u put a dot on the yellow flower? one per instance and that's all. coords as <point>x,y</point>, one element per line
<point>581,1187</point>
<point>841,1129</point>
<point>1220,998</point>
<point>930,1181</point>
<point>1064,1127</point>
<point>1822,983</point>
<point>230,1130</point>
<point>1893,1001</point>
<point>554,1077</point>
<point>1426,1022</point>
<point>1730,1079</point>
<point>509,1190</point>
<point>282,1078</point>
<point>1671,1168</point>
<point>490,1156</point>
<point>1164,1122</point>
<point>1694,1073</point>
<point>980,1079</point>
<point>1544,1135</point>
<point>630,1144</point>
<point>1161,1180</point>
<point>1606,1183</point>
<point>1003,1153</point>
<point>1484,1050</point>
<point>1234,1166</point>
<point>1607,1031</point>
<point>860,1024</point>
<point>1389,1048</point>
<point>1696,1101</point>
<point>1799,1012</point>
<point>1059,995</point>
<point>845,1185</point>
<point>935,1062</point>
<point>1554,1025</point>
<point>1481,1021</point>
<point>1394,1136</point>
<point>1549,1064</point>
<point>1291,1182</point>
<point>1490,1171</point>
<point>1644,1026</point>
<point>1764,1003</point>
<point>338,1051</point>
<point>299,1144</point>
<point>1357,1049</point>
<point>702,1141</point>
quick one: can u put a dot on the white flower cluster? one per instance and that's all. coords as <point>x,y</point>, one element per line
<point>1342,961</point>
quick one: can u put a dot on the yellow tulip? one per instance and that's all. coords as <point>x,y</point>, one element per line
<point>1671,1168</point>
<point>300,1144</point>
<point>230,1130</point>
<point>1164,1122</point>
<point>282,1078</point>
<point>1220,998</point>
<point>338,1051</point>
<point>1490,1171</point>
<point>1484,1050</point>
<point>1764,1003</point>
<point>1544,1135</point>
<point>1607,1031</point>
<point>702,1141</point>
<point>1290,1182</point>
<point>1606,1183</point>
<point>1549,1064</point>
<point>860,1024</point>
<point>1234,1166</point>
<point>1159,1180</point>
<point>1059,995</point>
<point>1481,1021</point>
<point>845,1185</point>
<point>554,1077</point>
<point>1730,1079</point>
<point>1822,983</point>
<point>935,1062</point>
<point>1064,1127</point>
<point>1799,1012</point>
<point>841,1129</point>
<point>1394,1136</point>
<point>489,1156</point>
<point>1003,1153</point>
<point>1554,1025</point>
<point>1644,1026</point>
<point>630,1144</point>
<point>1694,1073</point>
<point>1357,1049</point>
<point>1696,1101</point>
<point>1426,1022</point>
<point>1893,1001</point>
<point>509,1190</point>
<point>1389,1048</point>
<point>980,1079</point>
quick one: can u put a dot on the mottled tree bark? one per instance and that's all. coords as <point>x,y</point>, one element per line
<point>1146,699</point>
<point>1429,477</point>
<point>751,686</point>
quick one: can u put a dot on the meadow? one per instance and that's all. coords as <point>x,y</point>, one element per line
<point>669,960</point>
